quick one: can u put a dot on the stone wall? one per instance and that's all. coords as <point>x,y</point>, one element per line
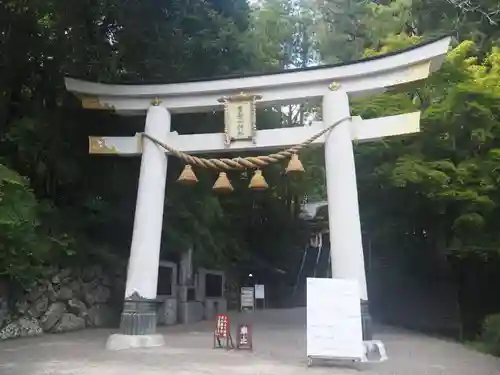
<point>67,300</point>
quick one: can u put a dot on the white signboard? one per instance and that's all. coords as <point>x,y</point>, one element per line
<point>334,319</point>
<point>247,298</point>
<point>260,291</point>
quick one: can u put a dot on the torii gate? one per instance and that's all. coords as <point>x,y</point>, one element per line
<point>361,78</point>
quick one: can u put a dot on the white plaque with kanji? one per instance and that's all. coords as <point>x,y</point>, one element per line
<point>239,120</point>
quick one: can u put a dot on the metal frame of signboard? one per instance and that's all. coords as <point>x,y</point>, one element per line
<point>368,345</point>
<point>310,359</point>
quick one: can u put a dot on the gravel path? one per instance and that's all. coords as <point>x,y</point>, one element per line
<point>279,340</point>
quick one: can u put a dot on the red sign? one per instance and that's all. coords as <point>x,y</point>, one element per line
<point>222,325</point>
<point>244,337</point>
<point>222,331</point>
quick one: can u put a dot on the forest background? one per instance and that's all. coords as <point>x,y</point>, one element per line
<point>428,201</point>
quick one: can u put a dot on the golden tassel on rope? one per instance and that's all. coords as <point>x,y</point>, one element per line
<point>187,176</point>
<point>294,165</point>
<point>258,182</point>
<point>222,185</point>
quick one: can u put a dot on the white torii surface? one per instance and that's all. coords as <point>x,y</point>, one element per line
<point>365,77</point>
<point>361,131</point>
<point>353,80</point>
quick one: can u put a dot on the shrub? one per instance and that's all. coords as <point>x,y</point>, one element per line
<point>490,334</point>
<point>18,221</point>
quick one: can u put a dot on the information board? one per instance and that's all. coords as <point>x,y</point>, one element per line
<point>334,319</point>
<point>260,291</point>
<point>247,298</point>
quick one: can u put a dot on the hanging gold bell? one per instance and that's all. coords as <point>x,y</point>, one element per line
<point>222,185</point>
<point>294,165</point>
<point>187,176</point>
<point>258,182</point>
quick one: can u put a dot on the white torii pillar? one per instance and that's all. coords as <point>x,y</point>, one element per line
<point>346,244</point>
<point>138,320</point>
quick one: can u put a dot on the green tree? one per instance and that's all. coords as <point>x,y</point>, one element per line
<point>43,131</point>
<point>342,32</point>
<point>445,174</point>
<point>18,221</point>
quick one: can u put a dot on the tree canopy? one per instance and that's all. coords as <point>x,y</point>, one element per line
<point>437,189</point>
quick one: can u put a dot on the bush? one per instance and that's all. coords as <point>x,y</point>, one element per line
<point>34,236</point>
<point>18,221</point>
<point>490,334</point>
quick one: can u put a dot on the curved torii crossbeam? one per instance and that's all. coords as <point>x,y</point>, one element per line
<point>359,78</point>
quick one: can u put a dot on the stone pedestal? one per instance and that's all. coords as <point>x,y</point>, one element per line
<point>214,301</point>
<point>137,326</point>
<point>167,311</point>
<point>139,316</point>
<point>190,309</point>
<point>190,312</point>
<point>214,306</point>
<point>167,293</point>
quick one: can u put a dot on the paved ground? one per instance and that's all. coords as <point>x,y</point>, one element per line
<point>279,340</point>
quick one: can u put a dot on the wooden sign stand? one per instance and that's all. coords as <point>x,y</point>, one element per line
<point>244,337</point>
<point>222,332</point>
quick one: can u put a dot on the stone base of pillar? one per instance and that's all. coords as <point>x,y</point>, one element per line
<point>366,321</point>
<point>138,316</point>
<point>137,326</point>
